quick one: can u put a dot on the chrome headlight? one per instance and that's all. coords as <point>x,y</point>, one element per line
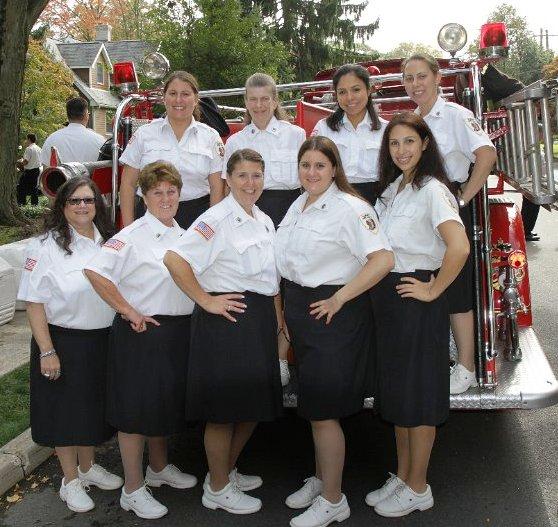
<point>452,37</point>
<point>155,65</point>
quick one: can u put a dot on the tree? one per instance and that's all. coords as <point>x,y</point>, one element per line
<point>525,57</point>
<point>17,17</point>
<point>406,49</point>
<point>47,85</point>
<point>312,30</point>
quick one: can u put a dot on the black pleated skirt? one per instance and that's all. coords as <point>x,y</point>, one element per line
<point>188,211</point>
<point>412,355</point>
<point>233,371</point>
<point>147,376</point>
<point>459,294</point>
<point>71,410</point>
<point>276,203</point>
<point>333,361</point>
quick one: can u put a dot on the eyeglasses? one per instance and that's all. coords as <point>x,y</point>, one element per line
<point>77,201</point>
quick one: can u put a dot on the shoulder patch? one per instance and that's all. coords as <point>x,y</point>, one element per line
<point>30,264</point>
<point>474,125</point>
<point>450,199</point>
<point>115,244</point>
<point>219,148</point>
<point>369,222</point>
<point>205,230</point>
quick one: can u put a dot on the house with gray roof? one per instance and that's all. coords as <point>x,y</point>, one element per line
<point>91,65</point>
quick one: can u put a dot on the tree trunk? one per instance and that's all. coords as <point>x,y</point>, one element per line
<point>16,20</point>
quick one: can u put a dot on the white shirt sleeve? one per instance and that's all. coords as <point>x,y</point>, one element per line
<point>134,151</point>
<point>230,148</point>
<point>116,256</point>
<point>319,128</point>
<point>45,152</point>
<point>218,150</point>
<point>470,134</point>
<point>35,285</point>
<point>442,205</point>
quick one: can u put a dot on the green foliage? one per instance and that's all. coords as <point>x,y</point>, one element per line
<point>14,403</point>
<point>406,49</point>
<point>47,86</point>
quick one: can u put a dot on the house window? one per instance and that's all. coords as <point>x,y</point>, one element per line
<point>100,73</point>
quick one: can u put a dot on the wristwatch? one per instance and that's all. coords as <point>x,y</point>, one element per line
<point>461,202</point>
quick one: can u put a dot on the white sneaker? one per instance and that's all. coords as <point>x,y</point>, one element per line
<point>374,497</point>
<point>304,496</point>
<point>461,379</point>
<point>285,373</point>
<point>230,499</point>
<point>243,481</point>
<point>171,476</point>
<point>75,496</point>
<point>322,513</point>
<point>404,500</point>
<point>142,502</point>
<point>100,477</point>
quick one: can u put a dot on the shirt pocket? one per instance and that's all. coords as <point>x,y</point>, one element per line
<point>284,166</point>
<point>252,255</point>
<point>201,158</point>
<point>368,162</point>
<point>445,143</point>
<point>402,223</point>
<point>155,151</point>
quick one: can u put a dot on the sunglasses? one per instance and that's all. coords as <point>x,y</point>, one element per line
<point>77,201</point>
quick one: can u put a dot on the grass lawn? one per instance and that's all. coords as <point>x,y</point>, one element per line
<point>34,214</point>
<point>14,403</point>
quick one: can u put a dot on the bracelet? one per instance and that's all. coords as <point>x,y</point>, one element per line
<point>47,353</point>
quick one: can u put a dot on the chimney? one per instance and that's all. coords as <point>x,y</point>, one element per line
<point>103,32</point>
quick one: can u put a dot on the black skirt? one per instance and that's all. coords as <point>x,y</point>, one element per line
<point>459,294</point>
<point>71,410</point>
<point>147,376</point>
<point>188,211</point>
<point>412,357</point>
<point>333,361</point>
<point>233,371</point>
<point>276,203</point>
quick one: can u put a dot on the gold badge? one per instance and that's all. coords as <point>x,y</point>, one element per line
<point>369,222</point>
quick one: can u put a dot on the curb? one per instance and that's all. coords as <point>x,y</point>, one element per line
<point>19,458</point>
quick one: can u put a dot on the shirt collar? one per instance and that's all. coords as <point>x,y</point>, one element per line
<point>271,128</point>
<point>366,121</point>
<point>158,228</point>
<point>79,238</point>
<point>436,111</point>
<point>192,127</point>
<point>239,215</point>
<point>324,201</point>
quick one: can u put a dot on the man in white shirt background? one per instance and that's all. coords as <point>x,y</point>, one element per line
<point>31,165</point>
<point>75,142</point>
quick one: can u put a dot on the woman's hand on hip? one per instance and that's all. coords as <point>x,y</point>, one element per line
<point>225,304</point>
<point>413,288</point>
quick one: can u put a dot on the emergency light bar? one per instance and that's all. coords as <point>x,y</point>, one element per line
<point>125,78</point>
<point>493,43</point>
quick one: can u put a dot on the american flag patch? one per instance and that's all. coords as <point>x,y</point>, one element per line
<point>205,230</point>
<point>30,264</point>
<point>115,244</point>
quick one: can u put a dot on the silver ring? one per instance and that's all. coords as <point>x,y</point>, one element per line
<point>227,308</point>
<point>57,372</point>
<point>46,374</point>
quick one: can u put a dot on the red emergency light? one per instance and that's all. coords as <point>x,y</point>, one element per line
<point>493,41</point>
<point>124,77</point>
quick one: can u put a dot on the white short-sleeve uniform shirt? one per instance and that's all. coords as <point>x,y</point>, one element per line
<point>55,279</point>
<point>133,260</point>
<point>32,155</point>
<point>359,148</point>
<point>411,219</point>
<point>328,243</point>
<point>458,134</point>
<point>75,143</point>
<point>231,251</point>
<point>198,154</point>
<point>278,144</point>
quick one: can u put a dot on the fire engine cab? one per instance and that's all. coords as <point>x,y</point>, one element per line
<point>511,367</point>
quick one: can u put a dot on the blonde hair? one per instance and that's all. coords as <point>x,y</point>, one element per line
<point>263,80</point>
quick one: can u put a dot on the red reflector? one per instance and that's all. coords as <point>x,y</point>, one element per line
<point>493,34</point>
<point>124,72</point>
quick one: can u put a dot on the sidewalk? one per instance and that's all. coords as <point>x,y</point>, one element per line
<point>14,343</point>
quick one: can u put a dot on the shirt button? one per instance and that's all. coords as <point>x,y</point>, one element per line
<point>323,205</point>
<point>238,220</point>
<point>158,235</point>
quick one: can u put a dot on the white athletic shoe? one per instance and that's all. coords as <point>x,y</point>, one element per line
<point>374,497</point>
<point>101,478</point>
<point>321,513</point>
<point>461,379</point>
<point>243,481</point>
<point>142,502</point>
<point>404,500</point>
<point>171,476</point>
<point>285,373</point>
<point>230,499</point>
<point>304,496</point>
<point>75,495</point>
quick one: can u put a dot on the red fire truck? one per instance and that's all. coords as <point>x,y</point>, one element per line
<point>512,369</point>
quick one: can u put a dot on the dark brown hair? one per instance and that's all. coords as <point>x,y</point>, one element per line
<point>244,154</point>
<point>329,149</point>
<point>263,80</point>
<point>335,119</point>
<point>430,163</point>
<point>430,61</point>
<point>55,222</point>
<point>153,173</point>
<point>188,78</point>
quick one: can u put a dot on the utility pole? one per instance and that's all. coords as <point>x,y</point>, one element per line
<point>545,34</point>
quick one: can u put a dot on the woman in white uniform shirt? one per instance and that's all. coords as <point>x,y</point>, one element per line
<point>225,262</point>
<point>355,128</point>
<point>420,217</point>
<point>195,149</point>
<point>330,249</point>
<point>269,133</point>
<point>461,141</point>
<point>149,341</point>
<point>70,326</point>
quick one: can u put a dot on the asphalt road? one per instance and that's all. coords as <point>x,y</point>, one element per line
<point>487,469</point>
